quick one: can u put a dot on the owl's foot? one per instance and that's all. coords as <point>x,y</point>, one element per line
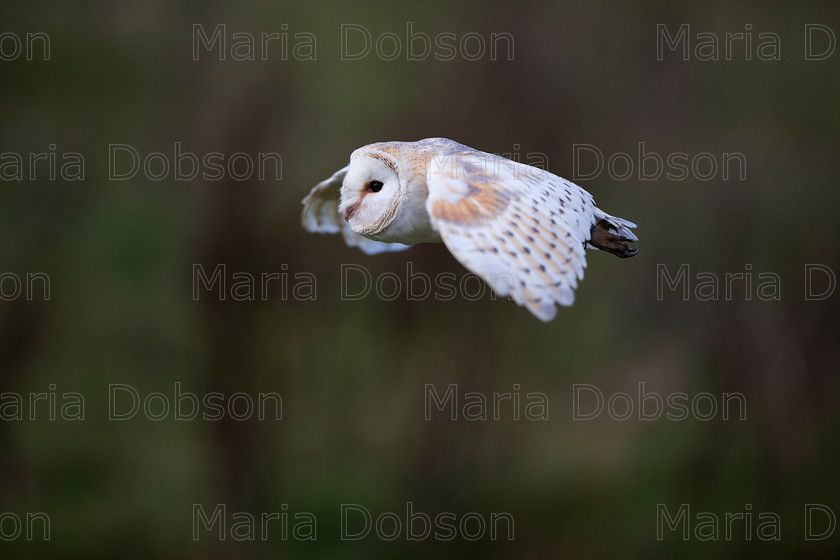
<point>603,239</point>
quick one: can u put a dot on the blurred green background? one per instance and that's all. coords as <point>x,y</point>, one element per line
<point>352,375</point>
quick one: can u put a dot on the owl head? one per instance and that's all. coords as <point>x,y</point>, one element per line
<point>373,191</point>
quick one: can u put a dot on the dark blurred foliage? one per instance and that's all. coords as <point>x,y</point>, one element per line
<point>120,257</point>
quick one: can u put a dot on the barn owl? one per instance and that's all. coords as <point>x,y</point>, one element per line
<point>521,229</point>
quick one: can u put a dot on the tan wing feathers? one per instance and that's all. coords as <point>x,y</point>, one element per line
<point>522,231</point>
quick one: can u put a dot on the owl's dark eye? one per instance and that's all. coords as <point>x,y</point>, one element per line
<point>375,186</point>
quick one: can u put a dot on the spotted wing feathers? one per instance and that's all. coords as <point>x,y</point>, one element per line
<point>519,228</point>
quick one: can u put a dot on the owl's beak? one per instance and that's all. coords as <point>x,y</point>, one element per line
<point>349,211</point>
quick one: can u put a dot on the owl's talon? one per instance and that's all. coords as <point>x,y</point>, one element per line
<point>603,239</point>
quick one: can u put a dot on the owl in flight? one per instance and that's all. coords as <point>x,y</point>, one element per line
<point>521,229</point>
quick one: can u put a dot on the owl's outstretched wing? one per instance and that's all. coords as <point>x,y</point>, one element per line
<point>320,215</point>
<point>519,228</point>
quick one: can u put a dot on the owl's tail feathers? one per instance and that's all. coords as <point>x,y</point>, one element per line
<point>612,234</point>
